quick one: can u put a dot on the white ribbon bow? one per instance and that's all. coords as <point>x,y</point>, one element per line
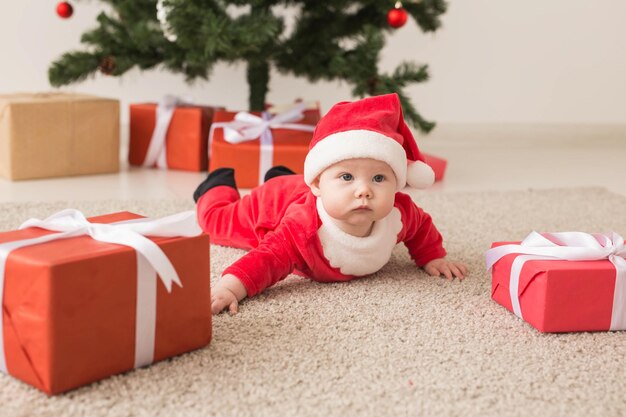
<point>157,150</point>
<point>247,127</point>
<point>570,246</point>
<point>150,261</point>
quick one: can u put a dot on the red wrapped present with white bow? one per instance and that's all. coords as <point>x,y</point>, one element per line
<point>172,134</point>
<point>562,282</point>
<point>252,143</point>
<point>83,299</point>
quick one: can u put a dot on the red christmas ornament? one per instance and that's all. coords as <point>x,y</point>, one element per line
<point>64,9</point>
<point>397,16</point>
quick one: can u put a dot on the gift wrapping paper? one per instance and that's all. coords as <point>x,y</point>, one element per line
<point>77,309</point>
<point>562,282</point>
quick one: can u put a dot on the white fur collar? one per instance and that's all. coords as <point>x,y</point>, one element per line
<point>354,255</point>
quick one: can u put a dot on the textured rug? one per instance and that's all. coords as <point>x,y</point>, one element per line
<point>397,343</point>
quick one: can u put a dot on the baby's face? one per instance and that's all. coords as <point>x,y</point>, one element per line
<point>356,192</point>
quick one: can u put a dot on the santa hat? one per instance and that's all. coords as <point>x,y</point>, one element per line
<point>374,128</point>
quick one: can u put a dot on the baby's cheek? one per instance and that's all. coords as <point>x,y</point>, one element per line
<point>333,210</point>
<point>337,207</point>
<point>387,207</point>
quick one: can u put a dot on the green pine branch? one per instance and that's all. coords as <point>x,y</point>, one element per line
<point>73,67</point>
<point>338,40</point>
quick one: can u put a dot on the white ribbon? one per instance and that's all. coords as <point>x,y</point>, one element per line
<point>157,150</point>
<point>246,127</point>
<point>150,261</point>
<point>570,246</point>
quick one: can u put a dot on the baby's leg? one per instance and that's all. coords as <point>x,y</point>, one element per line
<point>277,171</point>
<point>221,176</point>
<point>222,214</point>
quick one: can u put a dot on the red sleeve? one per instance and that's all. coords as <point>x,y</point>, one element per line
<point>420,236</point>
<point>272,260</point>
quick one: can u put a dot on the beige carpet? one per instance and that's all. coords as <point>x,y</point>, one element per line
<point>397,343</point>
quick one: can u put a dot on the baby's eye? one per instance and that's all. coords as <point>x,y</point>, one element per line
<point>346,177</point>
<point>378,178</point>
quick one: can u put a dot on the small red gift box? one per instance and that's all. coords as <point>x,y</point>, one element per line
<point>186,140</point>
<point>437,164</point>
<point>252,158</point>
<point>559,295</point>
<point>72,308</point>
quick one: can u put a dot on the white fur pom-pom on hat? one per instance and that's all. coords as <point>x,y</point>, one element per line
<point>373,127</point>
<point>419,175</point>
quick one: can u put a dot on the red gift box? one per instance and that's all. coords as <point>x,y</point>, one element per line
<point>186,139</point>
<point>289,148</point>
<point>437,164</point>
<point>558,295</point>
<point>70,306</point>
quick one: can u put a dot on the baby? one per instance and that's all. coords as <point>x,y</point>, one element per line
<point>339,221</point>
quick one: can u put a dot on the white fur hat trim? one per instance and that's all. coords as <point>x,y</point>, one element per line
<point>356,144</point>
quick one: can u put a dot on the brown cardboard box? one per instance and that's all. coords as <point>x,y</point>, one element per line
<point>58,134</point>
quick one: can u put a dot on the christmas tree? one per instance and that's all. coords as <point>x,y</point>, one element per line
<point>338,40</point>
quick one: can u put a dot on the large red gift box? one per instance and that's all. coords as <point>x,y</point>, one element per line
<point>70,306</point>
<point>186,139</point>
<point>290,148</point>
<point>558,295</point>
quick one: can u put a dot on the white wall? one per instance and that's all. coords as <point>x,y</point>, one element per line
<point>494,61</point>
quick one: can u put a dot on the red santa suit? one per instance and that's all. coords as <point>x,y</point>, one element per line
<point>286,227</point>
<point>287,230</point>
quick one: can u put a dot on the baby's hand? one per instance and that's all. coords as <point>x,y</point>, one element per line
<point>221,298</point>
<point>439,266</point>
<point>227,293</point>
